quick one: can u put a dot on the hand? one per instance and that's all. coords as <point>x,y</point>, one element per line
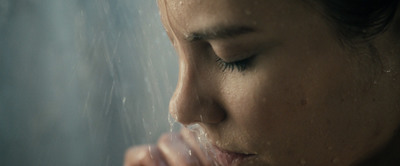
<point>174,149</point>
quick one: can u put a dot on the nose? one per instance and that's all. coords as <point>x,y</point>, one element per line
<point>195,98</point>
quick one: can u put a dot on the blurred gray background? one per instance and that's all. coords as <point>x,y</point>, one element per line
<point>81,80</point>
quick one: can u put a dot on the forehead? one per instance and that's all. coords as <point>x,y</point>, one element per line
<point>211,7</point>
<point>184,16</point>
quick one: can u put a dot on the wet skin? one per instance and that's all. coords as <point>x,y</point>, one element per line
<point>270,78</point>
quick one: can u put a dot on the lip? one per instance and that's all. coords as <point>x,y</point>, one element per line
<point>229,158</point>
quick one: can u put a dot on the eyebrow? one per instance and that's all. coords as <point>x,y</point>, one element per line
<point>219,32</point>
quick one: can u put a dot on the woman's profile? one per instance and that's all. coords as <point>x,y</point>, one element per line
<point>282,83</point>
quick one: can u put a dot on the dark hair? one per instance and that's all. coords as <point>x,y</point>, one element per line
<point>359,20</point>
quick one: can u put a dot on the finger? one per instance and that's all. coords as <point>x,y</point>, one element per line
<point>176,152</point>
<point>191,138</point>
<point>145,155</point>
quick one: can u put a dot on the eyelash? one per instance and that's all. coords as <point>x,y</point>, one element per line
<point>240,65</point>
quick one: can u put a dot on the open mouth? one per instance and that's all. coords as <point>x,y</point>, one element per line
<point>228,158</point>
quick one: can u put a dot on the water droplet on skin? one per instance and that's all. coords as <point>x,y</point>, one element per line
<point>303,102</point>
<point>336,160</point>
<point>190,152</point>
<point>247,12</point>
<point>303,162</point>
<point>364,31</point>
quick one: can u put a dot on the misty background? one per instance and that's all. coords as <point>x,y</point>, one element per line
<point>81,80</point>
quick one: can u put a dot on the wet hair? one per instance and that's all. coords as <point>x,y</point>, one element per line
<point>359,20</point>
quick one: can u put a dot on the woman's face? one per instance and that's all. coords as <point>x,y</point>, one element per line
<point>269,81</point>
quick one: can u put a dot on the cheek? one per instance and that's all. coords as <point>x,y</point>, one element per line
<point>267,101</point>
<point>275,91</point>
<point>269,109</point>
<point>291,99</point>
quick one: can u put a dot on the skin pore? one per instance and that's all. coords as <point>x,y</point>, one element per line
<point>271,79</point>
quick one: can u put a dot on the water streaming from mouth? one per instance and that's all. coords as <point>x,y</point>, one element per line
<point>202,139</point>
<point>174,126</point>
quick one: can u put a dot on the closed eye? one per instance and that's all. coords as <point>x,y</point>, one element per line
<point>240,65</point>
